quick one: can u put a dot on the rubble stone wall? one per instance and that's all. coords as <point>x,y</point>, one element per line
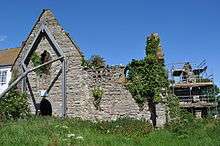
<point>116,101</point>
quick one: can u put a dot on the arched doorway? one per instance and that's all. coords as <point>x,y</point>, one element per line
<point>45,108</point>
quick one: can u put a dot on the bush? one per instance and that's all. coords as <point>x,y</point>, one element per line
<point>184,125</point>
<point>14,105</point>
<point>94,62</point>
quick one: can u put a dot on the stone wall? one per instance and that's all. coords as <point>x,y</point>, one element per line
<point>116,101</point>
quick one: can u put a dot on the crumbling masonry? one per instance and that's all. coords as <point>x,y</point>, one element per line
<point>116,101</point>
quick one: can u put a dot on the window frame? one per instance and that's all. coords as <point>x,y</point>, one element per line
<point>3,77</point>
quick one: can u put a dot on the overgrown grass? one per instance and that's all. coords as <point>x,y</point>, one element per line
<point>54,131</point>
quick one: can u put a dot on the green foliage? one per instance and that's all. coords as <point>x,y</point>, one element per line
<point>125,126</point>
<point>97,61</point>
<point>187,126</point>
<point>14,105</point>
<point>94,62</point>
<point>85,63</point>
<point>147,77</point>
<point>183,124</point>
<point>97,93</point>
<point>56,131</point>
<point>36,60</point>
<point>153,45</point>
<point>174,107</point>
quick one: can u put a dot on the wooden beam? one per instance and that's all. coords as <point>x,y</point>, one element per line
<point>26,73</point>
<point>52,41</point>
<point>54,80</point>
<point>31,93</point>
<point>187,85</point>
<point>64,102</point>
<point>33,46</point>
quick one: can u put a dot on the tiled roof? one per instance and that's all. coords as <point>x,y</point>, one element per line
<point>8,56</point>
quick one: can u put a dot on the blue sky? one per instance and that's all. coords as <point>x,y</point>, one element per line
<point>117,29</point>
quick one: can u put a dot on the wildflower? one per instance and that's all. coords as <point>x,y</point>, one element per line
<point>65,127</point>
<point>71,135</point>
<point>79,138</point>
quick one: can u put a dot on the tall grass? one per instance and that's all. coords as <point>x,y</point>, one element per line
<point>54,131</point>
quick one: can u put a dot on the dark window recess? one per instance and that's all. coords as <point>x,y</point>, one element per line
<point>45,57</point>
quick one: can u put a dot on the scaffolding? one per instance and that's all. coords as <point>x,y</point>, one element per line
<point>194,87</point>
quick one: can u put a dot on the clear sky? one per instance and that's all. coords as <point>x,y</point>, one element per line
<point>117,29</point>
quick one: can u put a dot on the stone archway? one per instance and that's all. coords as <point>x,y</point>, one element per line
<point>45,107</point>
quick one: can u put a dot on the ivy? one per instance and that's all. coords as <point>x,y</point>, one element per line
<point>97,93</point>
<point>36,60</point>
<point>174,106</point>
<point>147,77</point>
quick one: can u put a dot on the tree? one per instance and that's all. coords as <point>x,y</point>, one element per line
<point>147,78</point>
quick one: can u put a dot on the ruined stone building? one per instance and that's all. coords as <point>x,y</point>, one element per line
<point>46,84</point>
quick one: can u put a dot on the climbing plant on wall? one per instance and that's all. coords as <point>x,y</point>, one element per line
<point>40,59</point>
<point>97,93</point>
<point>36,60</point>
<point>148,77</point>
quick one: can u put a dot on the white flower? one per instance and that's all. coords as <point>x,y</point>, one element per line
<point>65,127</point>
<point>71,135</point>
<point>79,137</point>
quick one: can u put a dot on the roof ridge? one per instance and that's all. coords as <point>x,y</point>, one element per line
<point>5,49</point>
<point>8,55</point>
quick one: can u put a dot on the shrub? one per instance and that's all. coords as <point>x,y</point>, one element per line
<point>94,62</point>
<point>184,125</point>
<point>14,105</point>
<point>97,61</point>
<point>85,63</point>
<point>97,93</point>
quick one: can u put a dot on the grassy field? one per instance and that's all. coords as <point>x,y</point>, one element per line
<point>52,131</point>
